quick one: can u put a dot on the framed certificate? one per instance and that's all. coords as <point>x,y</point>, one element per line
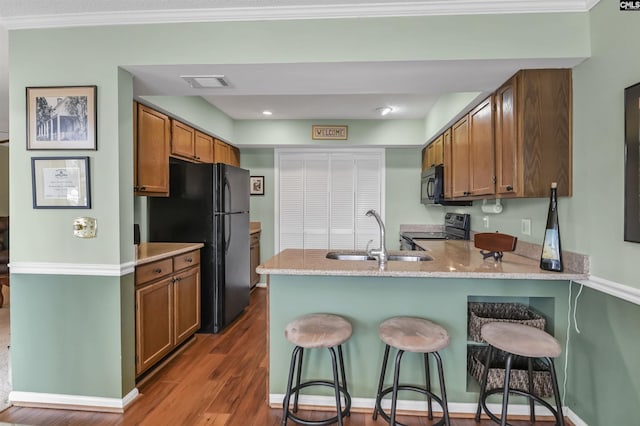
<point>60,182</point>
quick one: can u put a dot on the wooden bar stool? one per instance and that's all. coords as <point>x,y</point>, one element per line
<point>315,331</point>
<point>410,334</point>
<point>528,342</point>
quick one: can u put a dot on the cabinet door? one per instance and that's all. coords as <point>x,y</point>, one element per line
<point>506,138</point>
<point>254,253</point>
<point>437,156</point>
<point>425,158</point>
<point>182,140</point>
<point>481,145</point>
<point>221,154</point>
<point>234,156</point>
<point>186,299</point>
<point>460,158</point>
<point>154,323</point>
<point>151,152</point>
<point>203,148</point>
<point>446,160</point>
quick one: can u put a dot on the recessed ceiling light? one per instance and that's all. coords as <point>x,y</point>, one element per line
<point>384,110</point>
<point>266,112</point>
<point>205,81</point>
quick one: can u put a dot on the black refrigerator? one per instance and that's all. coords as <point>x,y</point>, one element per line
<point>209,203</point>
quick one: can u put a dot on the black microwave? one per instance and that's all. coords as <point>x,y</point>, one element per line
<point>432,188</point>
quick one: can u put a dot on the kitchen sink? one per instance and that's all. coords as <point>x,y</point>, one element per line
<point>361,255</point>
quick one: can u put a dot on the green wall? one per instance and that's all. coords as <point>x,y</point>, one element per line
<point>596,206</point>
<point>4,180</point>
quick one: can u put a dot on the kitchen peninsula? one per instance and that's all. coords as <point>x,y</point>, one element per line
<point>305,281</point>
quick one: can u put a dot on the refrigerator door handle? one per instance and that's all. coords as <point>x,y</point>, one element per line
<point>227,198</point>
<point>227,231</point>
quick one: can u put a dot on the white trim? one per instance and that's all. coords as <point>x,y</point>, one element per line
<point>417,406</point>
<point>577,421</point>
<point>46,268</point>
<point>318,11</point>
<point>75,402</point>
<point>621,291</point>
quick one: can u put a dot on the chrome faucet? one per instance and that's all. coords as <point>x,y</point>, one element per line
<point>379,253</point>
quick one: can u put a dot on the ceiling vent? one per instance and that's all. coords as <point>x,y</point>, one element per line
<point>205,81</point>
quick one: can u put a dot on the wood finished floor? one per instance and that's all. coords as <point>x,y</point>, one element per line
<point>218,380</point>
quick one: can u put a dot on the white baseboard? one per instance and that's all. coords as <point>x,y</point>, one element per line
<point>421,406</point>
<point>72,402</point>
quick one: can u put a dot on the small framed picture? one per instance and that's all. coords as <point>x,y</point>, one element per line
<point>60,182</point>
<point>61,117</point>
<point>256,185</point>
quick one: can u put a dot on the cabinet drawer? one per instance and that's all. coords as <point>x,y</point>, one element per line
<point>254,238</point>
<point>154,270</point>
<point>186,260</point>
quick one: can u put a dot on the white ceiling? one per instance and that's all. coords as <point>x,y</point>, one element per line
<point>291,91</point>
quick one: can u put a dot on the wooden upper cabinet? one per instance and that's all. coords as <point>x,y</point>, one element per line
<point>234,156</point>
<point>203,147</point>
<point>182,140</point>
<point>425,158</point>
<point>533,133</point>
<point>152,135</point>
<point>446,160</point>
<point>460,158</point>
<point>481,149</point>
<point>437,156</point>
<point>221,152</point>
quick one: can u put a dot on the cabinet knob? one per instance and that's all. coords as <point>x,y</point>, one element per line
<point>509,188</point>
<point>157,271</point>
<point>143,188</point>
<point>188,260</point>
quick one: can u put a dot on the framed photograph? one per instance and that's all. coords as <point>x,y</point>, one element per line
<point>256,184</point>
<point>61,117</point>
<point>632,163</point>
<point>60,182</point>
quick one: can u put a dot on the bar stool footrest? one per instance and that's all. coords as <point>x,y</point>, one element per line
<point>345,412</point>
<point>515,392</point>
<point>421,390</point>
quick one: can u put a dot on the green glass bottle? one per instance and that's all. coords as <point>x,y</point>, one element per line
<point>551,258</point>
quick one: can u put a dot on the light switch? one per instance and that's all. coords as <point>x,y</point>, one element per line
<point>525,226</point>
<point>485,221</point>
<point>85,227</point>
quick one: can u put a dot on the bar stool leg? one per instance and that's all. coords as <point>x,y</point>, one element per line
<point>298,375</point>
<point>396,381</point>
<point>505,396</point>
<point>483,383</point>
<point>342,374</point>
<point>383,372</point>
<point>532,410</point>
<point>443,390</point>
<point>287,396</point>
<point>336,384</point>
<point>556,392</point>
<point>428,385</point>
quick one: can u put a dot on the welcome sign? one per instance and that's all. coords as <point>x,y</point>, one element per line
<point>329,132</point>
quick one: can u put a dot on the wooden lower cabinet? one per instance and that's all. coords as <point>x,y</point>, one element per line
<point>167,306</point>
<point>254,253</point>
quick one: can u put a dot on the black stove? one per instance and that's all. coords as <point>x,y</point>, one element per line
<point>456,227</point>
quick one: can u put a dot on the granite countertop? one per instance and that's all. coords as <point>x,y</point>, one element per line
<point>451,259</point>
<point>150,252</point>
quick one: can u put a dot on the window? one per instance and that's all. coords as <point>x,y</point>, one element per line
<point>322,198</point>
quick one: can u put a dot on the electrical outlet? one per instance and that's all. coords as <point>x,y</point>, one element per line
<point>485,221</point>
<point>525,226</point>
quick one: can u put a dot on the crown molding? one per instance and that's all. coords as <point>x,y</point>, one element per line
<point>333,11</point>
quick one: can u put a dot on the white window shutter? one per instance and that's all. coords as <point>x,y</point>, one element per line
<point>291,207</point>
<point>316,202</point>
<point>368,196</point>
<point>342,221</point>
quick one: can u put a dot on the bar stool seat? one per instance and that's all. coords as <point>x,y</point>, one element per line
<point>524,341</point>
<point>417,335</point>
<point>317,331</point>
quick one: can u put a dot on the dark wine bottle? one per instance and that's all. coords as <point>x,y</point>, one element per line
<point>551,258</point>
